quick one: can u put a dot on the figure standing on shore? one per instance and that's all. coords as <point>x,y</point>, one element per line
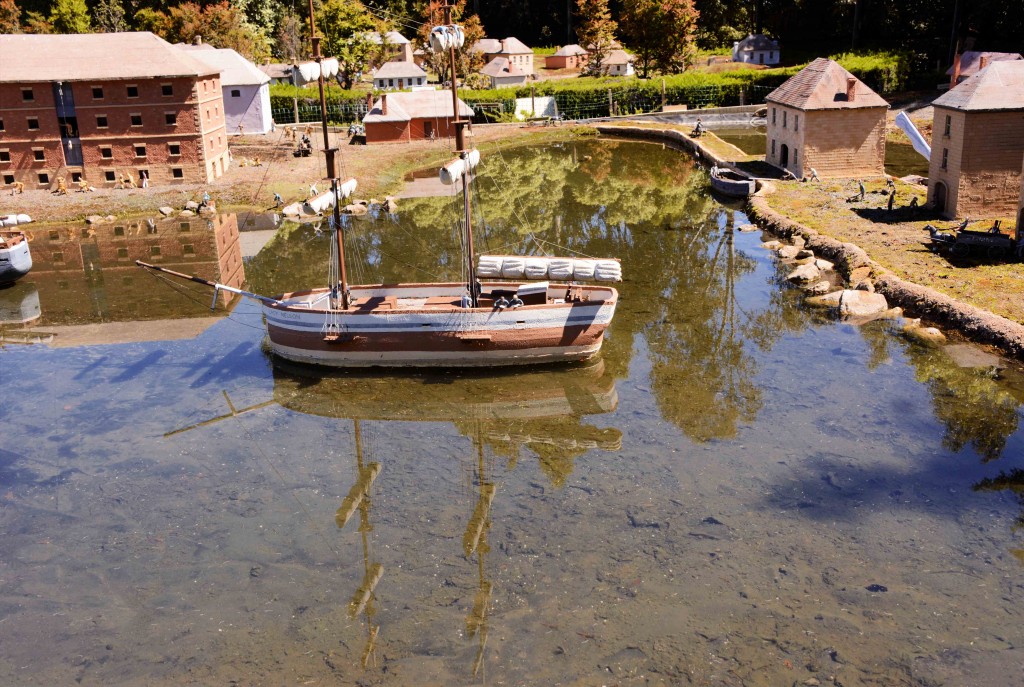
<point>860,185</point>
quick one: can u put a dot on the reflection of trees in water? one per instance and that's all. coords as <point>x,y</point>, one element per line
<point>1012,480</point>
<point>642,203</point>
<point>977,409</point>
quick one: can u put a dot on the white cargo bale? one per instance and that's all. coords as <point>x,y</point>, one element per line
<point>608,270</point>
<point>536,268</point>
<point>346,188</point>
<point>24,219</point>
<point>560,268</point>
<point>488,266</point>
<point>512,268</point>
<point>583,269</point>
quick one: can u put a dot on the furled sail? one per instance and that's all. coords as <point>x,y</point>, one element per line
<point>346,188</point>
<point>442,38</point>
<point>454,170</point>
<point>322,202</point>
<point>542,268</point>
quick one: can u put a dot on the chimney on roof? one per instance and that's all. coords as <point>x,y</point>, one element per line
<point>198,40</point>
<point>384,103</point>
<point>851,89</point>
<point>956,71</point>
<point>983,63</point>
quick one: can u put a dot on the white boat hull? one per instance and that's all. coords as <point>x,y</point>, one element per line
<point>15,258</point>
<point>423,325</point>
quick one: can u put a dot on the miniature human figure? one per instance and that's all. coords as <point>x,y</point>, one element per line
<point>278,200</point>
<point>890,184</point>
<point>501,303</point>
<point>914,202</point>
<point>515,302</point>
<point>467,302</point>
<point>892,199</point>
<point>19,187</point>
<point>814,175</point>
<point>714,170</point>
<point>257,162</point>
<point>313,190</point>
<point>307,132</point>
<point>860,186</point>
<point>698,129</point>
<point>206,199</point>
<point>83,185</point>
<point>241,129</point>
<point>62,187</point>
<point>144,175</point>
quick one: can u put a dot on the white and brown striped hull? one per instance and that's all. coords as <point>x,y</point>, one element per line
<point>422,325</point>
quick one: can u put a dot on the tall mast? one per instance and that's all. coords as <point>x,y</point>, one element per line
<point>460,148</point>
<point>331,155</point>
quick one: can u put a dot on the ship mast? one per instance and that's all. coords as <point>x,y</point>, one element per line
<point>463,152</point>
<point>332,173</point>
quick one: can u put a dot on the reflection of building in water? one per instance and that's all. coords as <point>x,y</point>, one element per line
<point>88,275</point>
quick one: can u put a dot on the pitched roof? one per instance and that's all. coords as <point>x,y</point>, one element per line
<point>234,69</point>
<point>399,70</point>
<point>277,70</point>
<point>618,57</point>
<point>821,85</point>
<point>970,61</point>
<point>999,86</point>
<point>501,46</point>
<point>757,42</point>
<point>30,58</point>
<point>403,106</point>
<point>502,66</point>
<point>570,51</point>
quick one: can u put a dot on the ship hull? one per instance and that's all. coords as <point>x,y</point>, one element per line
<point>15,258</point>
<point>420,325</point>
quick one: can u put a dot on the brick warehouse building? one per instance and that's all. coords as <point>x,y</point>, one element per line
<point>826,118</point>
<point>977,144</point>
<point>99,106</point>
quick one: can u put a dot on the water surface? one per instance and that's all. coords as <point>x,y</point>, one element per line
<point>741,491</point>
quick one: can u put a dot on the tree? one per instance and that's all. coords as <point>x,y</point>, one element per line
<point>661,32</point>
<point>10,17</point>
<point>222,25</point>
<point>290,37</point>
<point>344,25</point>
<point>70,16</point>
<point>37,23</point>
<point>596,32</point>
<point>109,16</point>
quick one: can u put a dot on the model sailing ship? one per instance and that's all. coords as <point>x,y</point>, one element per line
<point>471,324</point>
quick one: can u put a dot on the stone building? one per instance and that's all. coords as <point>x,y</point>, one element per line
<point>112,105</point>
<point>567,57</point>
<point>397,48</point>
<point>502,72</point>
<point>826,118</point>
<point>399,75</point>
<point>978,143</point>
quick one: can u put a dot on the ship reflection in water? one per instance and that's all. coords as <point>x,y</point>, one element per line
<point>504,415</point>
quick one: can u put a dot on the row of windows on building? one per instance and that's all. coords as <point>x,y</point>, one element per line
<point>106,152</point>
<point>109,175</point>
<point>131,90</point>
<point>103,121</point>
<point>409,83</point>
<point>796,119</point>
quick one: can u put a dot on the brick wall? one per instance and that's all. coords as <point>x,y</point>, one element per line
<point>983,152</point>
<point>172,128</point>
<point>836,143</point>
<point>1020,204</point>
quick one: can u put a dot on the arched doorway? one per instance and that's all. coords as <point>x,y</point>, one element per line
<point>939,197</point>
<point>784,156</point>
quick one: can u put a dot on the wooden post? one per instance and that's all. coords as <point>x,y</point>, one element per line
<point>611,104</point>
<point>664,98</point>
<point>533,103</point>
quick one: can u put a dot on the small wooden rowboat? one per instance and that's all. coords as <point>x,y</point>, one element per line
<point>730,183</point>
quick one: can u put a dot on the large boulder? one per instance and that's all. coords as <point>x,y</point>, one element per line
<point>862,304</point>
<point>804,273</point>
<point>186,213</point>
<point>167,211</point>
<point>817,288</point>
<point>292,210</point>
<point>789,252</point>
<point>355,209</point>
<point>192,205</point>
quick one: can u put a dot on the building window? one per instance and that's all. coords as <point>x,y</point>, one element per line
<point>184,226</point>
<point>140,150</point>
<point>773,147</point>
<point>133,91</point>
<point>235,93</point>
<point>216,111</point>
<point>949,122</point>
<point>173,149</point>
<point>773,115</point>
<point>136,120</point>
<point>76,177</point>
<point>1,125</point>
<point>945,158</point>
<point>154,250</point>
<point>107,153</point>
<point>166,89</point>
<point>796,122</point>
<point>39,155</point>
<point>177,173</point>
<point>44,178</point>
<point>101,121</point>
<point>188,249</point>
<point>170,118</point>
<point>57,257</point>
<point>33,123</point>
<point>109,175</point>
<point>5,156</point>
<point>391,83</point>
<point>118,231</point>
<point>8,178</point>
<point>784,113</point>
<point>27,95</point>
<point>122,252</point>
<point>97,92</point>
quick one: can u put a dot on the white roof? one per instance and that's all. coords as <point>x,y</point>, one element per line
<point>234,69</point>
<point>399,70</point>
<point>404,106</point>
<point>393,37</point>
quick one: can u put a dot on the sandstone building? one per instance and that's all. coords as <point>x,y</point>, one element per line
<point>826,118</point>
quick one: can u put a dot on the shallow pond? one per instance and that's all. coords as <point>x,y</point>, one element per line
<point>741,491</point>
